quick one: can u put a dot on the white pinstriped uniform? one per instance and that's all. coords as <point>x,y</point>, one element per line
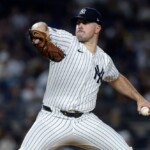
<point>73,84</point>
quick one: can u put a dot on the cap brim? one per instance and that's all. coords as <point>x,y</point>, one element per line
<point>74,19</point>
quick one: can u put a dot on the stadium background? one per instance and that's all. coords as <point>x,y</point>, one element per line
<point>23,72</point>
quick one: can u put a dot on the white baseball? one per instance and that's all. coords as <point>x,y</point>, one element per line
<point>144,111</point>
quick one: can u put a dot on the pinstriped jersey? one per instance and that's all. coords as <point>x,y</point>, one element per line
<point>74,82</point>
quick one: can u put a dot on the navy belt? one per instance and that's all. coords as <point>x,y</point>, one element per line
<point>75,114</point>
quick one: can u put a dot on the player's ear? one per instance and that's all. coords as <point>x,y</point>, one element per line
<point>98,28</point>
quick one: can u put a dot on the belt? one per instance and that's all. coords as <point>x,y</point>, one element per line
<point>75,114</point>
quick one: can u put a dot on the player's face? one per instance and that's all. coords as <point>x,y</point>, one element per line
<point>86,30</point>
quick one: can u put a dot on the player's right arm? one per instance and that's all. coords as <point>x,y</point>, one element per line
<point>124,86</point>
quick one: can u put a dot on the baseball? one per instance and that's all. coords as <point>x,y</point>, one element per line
<point>144,111</point>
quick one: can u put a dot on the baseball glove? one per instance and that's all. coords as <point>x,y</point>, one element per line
<point>45,46</point>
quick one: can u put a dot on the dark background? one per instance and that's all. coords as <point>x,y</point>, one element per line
<point>23,72</point>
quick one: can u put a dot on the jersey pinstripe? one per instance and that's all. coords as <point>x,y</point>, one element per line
<point>53,130</point>
<point>70,83</point>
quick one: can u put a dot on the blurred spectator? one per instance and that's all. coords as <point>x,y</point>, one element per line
<point>7,142</point>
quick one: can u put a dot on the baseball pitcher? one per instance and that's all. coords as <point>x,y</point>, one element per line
<point>76,70</point>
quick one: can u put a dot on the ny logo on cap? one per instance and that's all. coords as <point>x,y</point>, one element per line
<point>83,11</point>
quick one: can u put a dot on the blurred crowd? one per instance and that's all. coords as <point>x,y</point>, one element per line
<point>23,72</point>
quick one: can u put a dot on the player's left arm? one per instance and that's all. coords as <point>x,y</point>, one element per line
<point>124,86</point>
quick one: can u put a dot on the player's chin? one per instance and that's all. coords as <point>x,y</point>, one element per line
<point>81,39</point>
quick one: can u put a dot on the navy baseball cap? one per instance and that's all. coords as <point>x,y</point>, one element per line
<point>90,15</point>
